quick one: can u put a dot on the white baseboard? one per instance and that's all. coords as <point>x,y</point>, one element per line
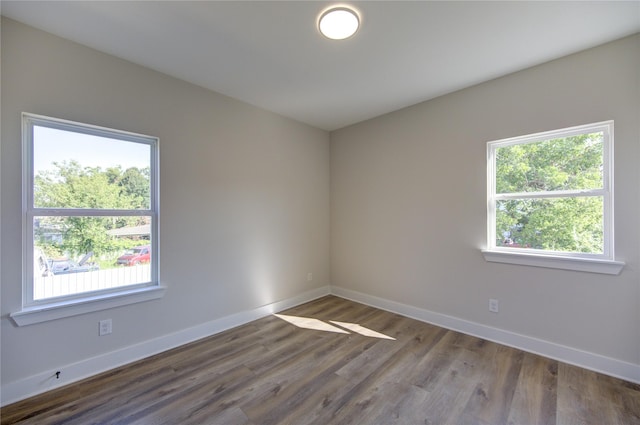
<point>37,384</point>
<point>598,363</point>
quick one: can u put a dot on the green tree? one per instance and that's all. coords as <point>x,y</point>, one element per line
<point>135,183</point>
<point>70,185</point>
<point>114,174</point>
<point>571,224</point>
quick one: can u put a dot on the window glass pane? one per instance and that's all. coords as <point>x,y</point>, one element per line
<point>75,170</point>
<point>74,255</point>
<point>566,163</point>
<point>559,224</point>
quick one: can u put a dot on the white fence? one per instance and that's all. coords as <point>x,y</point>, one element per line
<point>76,283</point>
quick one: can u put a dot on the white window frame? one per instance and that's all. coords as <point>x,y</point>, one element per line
<point>35,311</point>
<point>588,262</point>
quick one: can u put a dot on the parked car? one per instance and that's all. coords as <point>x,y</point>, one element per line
<point>135,256</point>
<point>67,266</point>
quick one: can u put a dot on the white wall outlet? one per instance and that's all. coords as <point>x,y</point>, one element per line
<point>309,277</point>
<point>105,327</point>
<point>493,305</point>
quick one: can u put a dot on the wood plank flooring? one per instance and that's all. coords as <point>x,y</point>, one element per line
<point>272,371</point>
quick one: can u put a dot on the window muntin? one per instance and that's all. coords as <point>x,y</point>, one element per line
<point>551,193</point>
<point>89,194</point>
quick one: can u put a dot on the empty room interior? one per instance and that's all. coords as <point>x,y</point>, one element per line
<point>221,212</point>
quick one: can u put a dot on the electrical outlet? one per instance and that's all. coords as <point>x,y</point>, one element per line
<point>105,327</point>
<point>493,305</point>
<point>309,277</point>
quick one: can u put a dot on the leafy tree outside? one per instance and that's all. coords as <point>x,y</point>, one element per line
<point>69,185</point>
<point>566,224</point>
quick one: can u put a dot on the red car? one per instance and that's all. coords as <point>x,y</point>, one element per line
<point>135,256</point>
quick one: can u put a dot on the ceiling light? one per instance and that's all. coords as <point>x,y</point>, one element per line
<point>338,23</point>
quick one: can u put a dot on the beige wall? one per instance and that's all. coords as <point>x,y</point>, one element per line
<point>408,204</point>
<point>244,197</point>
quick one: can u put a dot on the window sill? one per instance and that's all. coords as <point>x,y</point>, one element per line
<point>53,311</point>
<point>554,262</point>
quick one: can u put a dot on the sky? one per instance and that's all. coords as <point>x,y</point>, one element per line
<point>53,145</point>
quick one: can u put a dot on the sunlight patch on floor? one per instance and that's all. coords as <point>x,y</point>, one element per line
<point>354,327</point>
<point>309,323</point>
<point>319,325</point>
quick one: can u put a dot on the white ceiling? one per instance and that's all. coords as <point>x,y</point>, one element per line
<point>271,55</point>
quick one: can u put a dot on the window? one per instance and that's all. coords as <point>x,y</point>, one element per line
<point>90,213</point>
<point>550,199</point>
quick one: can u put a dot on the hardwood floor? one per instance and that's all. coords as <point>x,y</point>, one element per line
<point>274,372</point>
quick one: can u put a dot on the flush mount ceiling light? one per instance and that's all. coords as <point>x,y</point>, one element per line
<point>338,23</point>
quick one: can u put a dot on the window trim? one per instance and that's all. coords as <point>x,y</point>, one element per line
<point>61,309</point>
<point>590,262</point>
<point>32,310</point>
